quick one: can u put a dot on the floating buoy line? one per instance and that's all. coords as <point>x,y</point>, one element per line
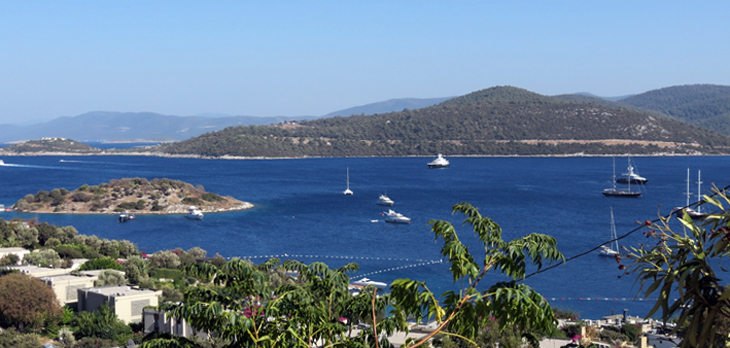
<point>419,262</point>
<point>398,268</point>
<point>375,258</point>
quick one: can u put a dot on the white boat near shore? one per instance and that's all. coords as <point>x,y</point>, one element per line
<point>194,214</point>
<point>439,162</point>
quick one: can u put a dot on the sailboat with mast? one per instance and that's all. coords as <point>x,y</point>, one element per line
<point>347,191</point>
<point>615,192</point>
<point>693,214</point>
<point>612,248</point>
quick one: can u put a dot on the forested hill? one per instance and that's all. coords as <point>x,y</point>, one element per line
<point>494,121</point>
<point>703,105</point>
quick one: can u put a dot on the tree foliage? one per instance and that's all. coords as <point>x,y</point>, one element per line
<point>102,324</point>
<point>26,303</point>
<point>682,265</point>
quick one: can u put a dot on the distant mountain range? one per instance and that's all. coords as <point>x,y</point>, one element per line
<point>132,126</point>
<point>707,106</point>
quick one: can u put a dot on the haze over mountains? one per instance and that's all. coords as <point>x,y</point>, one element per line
<point>706,106</point>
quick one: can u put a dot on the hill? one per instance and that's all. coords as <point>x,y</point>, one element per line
<point>50,145</point>
<point>703,105</point>
<point>493,121</point>
<point>137,195</point>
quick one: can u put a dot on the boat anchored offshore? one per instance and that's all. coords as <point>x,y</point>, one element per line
<point>693,214</point>
<point>194,214</point>
<point>611,250</point>
<point>396,218</point>
<point>439,162</point>
<point>630,177</point>
<point>614,192</point>
<point>347,191</point>
<point>124,217</point>
<point>385,200</point>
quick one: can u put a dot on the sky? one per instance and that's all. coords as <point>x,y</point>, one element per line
<point>295,58</point>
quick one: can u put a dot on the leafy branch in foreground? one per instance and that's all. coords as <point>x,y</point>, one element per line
<point>463,314</point>
<point>682,266</point>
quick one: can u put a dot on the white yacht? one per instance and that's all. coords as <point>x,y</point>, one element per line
<point>385,200</point>
<point>630,177</point>
<point>439,162</point>
<point>366,282</point>
<point>194,213</point>
<point>396,218</point>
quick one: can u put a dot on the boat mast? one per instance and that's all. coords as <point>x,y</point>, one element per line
<point>613,230</point>
<point>699,193</point>
<point>689,194</point>
<point>614,175</point>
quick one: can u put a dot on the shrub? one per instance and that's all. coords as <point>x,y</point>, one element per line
<point>212,197</point>
<point>101,263</point>
<point>192,201</point>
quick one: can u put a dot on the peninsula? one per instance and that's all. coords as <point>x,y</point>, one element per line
<point>136,195</point>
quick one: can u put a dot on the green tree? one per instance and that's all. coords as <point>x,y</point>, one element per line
<point>682,266</point>
<point>27,303</point>
<point>110,277</point>
<point>12,338</point>
<point>102,324</point>
<point>43,258</point>
<point>243,309</point>
<point>101,263</point>
<point>511,303</point>
<point>164,259</point>
<point>136,269</point>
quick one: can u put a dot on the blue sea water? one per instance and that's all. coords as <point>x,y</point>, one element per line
<point>301,213</point>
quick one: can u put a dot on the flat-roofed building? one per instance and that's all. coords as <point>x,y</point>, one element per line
<point>66,286</point>
<point>20,252</point>
<point>39,272</point>
<point>126,302</point>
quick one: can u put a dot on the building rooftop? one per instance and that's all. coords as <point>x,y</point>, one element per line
<point>119,290</point>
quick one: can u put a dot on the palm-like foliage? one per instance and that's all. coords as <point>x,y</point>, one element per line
<point>463,314</point>
<point>241,308</point>
<point>683,265</point>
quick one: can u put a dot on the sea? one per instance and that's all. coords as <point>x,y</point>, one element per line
<point>301,213</point>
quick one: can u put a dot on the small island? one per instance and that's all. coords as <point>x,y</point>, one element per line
<point>52,145</point>
<point>134,195</point>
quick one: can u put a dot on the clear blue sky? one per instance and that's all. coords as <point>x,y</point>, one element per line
<point>271,58</point>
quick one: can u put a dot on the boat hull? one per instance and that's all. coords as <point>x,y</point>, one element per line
<point>437,166</point>
<point>625,194</point>
<point>633,181</point>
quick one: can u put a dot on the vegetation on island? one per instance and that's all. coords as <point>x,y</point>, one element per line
<point>138,195</point>
<point>50,145</point>
<point>703,105</point>
<point>494,121</point>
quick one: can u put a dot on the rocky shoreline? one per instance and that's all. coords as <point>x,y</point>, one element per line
<point>182,209</point>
